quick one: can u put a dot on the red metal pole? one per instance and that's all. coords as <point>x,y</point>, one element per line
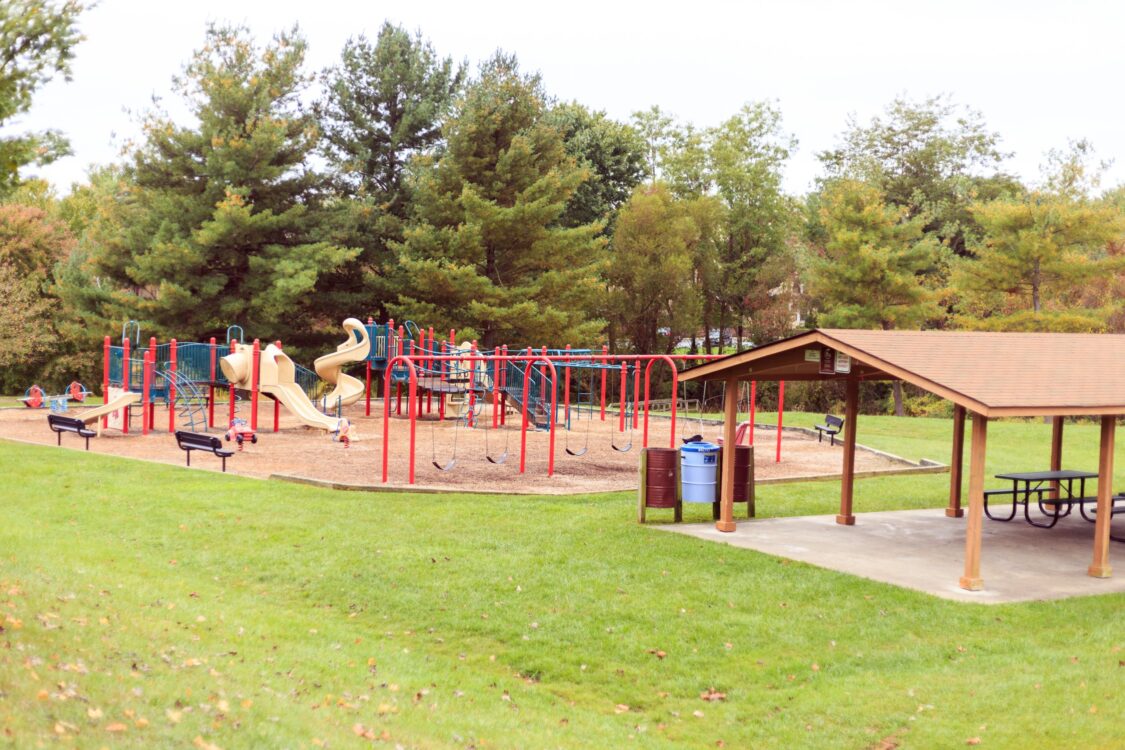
<point>780,414</point>
<point>675,385</point>
<point>105,379</point>
<point>495,390</point>
<point>605,369</point>
<point>504,385</point>
<point>753,406</point>
<point>566,389</point>
<point>367,381</point>
<point>636,391</point>
<point>171,386</point>
<point>523,421</point>
<point>398,386</point>
<point>233,349</point>
<point>624,387</point>
<point>211,389</point>
<point>145,393</point>
<point>277,404</point>
<point>254,375</point>
<point>126,365</point>
<point>387,413</point>
<point>429,366</point>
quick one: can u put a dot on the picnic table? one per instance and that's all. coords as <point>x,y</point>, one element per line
<point>1038,482</point>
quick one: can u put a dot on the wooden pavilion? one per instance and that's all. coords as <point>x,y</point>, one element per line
<point>989,375</point>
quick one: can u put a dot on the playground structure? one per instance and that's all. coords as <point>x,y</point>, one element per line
<point>441,380</point>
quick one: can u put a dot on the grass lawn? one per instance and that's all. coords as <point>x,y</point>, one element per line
<point>144,605</point>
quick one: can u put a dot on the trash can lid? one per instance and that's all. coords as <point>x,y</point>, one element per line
<point>700,447</point>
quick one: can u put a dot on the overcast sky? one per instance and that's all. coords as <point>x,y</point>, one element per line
<point>1040,72</point>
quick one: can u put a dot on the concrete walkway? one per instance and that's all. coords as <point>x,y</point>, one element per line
<point>924,550</point>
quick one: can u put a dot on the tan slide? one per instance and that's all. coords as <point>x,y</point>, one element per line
<point>347,388</point>
<point>124,400</point>
<point>277,375</point>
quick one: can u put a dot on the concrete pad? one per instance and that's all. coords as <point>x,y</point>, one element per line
<point>924,550</point>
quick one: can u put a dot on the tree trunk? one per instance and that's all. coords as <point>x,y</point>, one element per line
<point>1035,288</point>
<point>896,390</point>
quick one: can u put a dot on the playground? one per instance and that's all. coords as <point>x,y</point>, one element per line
<point>420,411</point>
<point>296,450</point>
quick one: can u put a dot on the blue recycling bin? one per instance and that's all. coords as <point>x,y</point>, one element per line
<point>698,462</point>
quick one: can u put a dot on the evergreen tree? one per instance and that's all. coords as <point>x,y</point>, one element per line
<point>37,40</point>
<point>486,252</point>
<point>1034,260</point>
<point>873,268</point>
<point>219,222</point>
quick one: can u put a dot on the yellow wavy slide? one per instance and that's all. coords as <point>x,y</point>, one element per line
<point>277,375</point>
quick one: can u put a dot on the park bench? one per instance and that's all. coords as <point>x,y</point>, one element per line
<point>60,424</point>
<point>831,427</point>
<point>194,441</point>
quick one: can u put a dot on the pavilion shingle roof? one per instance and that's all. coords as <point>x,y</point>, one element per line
<point>993,373</point>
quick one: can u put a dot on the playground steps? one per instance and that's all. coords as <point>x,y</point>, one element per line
<point>190,403</point>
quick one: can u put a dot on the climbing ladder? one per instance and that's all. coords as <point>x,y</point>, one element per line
<point>191,403</point>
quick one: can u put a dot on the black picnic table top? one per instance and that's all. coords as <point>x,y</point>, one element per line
<point>1047,476</point>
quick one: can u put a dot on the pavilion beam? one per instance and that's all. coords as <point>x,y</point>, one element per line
<point>956,463</point>
<point>972,580</point>
<point>730,424</point>
<point>847,481</point>
<point>1099,568</point>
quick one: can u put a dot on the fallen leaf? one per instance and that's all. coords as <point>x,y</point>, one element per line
<point>620,708</point>
<point>657,653</point>
<point>711,695</point>
<point>973,741</point>
<point>116,726</point>
<point>697,714</point>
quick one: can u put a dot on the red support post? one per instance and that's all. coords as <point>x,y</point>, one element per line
<point>675,386</point>
<point>398,386</point>
<point>277,404</point>
<point>105,378</point>
<point>171,385</point>
<point>211,389</point>
<point>636,391</point>
<point>504,385</point>
<point>566,388</point>
<point>605,370</point>
<point>254,374</point>
<point>146,395</point>
<point>387,414</point>
<point>495,389</point>
<point>780,415</point>
<point>624,388</point>
<point>753,407</point>
<point>233,349</point>
<point>126,365</point>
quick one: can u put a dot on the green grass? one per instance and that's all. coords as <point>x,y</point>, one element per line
<point>174,604</point>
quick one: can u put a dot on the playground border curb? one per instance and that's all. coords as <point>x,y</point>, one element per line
<point>430,490</point>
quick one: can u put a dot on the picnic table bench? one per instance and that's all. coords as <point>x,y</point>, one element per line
<point>194,441</point>
<point>831,427</point>
<point>60,424</point>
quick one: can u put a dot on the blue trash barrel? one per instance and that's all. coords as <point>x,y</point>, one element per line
<point>698,462</point>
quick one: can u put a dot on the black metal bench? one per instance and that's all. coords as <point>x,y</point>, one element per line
<point>831,427</point>
<point>194,441</point>
<point>60,424</point>
<point>1114,509</point>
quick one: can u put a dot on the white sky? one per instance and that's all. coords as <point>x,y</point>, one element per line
<point>1041,72</point>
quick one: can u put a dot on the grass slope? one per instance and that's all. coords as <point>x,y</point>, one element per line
<point>146,605</point>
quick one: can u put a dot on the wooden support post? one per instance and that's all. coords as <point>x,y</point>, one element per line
<point>847,481</point>
<point>730,425</point>
<point>751,502</point>
<point>972,580</point>
<point>956,463</point>
<point>1056,453</point>
<point>1099,568</point>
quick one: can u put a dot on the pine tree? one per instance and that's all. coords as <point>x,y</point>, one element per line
<point>384,104</point>
<point>874,265</point>
<point>485,251</point>
<point>220,222</point>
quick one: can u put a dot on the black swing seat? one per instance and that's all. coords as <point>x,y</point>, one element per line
<point>446,467</point>
<point>499,459</point>
<point>579,452</point>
